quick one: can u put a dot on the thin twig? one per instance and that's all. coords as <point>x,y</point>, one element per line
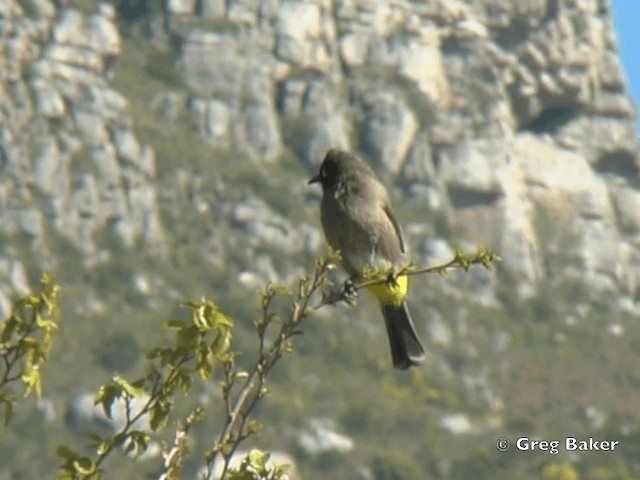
<point>484,256</point>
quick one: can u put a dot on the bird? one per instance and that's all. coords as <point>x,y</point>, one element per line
<point>357,221</point>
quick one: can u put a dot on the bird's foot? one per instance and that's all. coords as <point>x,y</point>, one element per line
<point>349,290</point>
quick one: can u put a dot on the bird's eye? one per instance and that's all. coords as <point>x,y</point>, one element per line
<point>328,172</point>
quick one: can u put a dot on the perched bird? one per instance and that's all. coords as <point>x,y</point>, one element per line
<point>357,220</point>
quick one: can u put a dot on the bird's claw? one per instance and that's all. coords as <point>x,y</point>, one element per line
<point>349,290</point>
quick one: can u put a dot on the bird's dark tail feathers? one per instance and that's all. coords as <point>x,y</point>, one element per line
<point>406,349</point>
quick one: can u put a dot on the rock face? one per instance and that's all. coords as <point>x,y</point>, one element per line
<point>499,113</point>
<point>70,159</point>
<point>509,119</point>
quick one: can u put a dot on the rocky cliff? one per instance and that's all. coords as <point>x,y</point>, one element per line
<point>71,164</point>
<point>489,114</point>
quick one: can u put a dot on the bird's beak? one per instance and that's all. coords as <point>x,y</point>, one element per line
<point>315,179</point>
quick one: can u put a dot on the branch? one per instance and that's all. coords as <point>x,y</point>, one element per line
<point>484,256</point>
<point>237,427</point>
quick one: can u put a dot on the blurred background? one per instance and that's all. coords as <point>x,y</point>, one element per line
<point>155,151</point>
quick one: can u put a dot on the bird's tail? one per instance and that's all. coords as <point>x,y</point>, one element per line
<point>406,349</point>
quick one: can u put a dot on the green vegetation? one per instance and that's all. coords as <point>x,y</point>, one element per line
<point>26,337</point>
<point>202,346</point>
<point>540,361</point>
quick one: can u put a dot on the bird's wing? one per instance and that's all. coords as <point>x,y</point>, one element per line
<point>396,226</point>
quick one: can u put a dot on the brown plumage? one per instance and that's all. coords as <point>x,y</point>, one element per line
<point>357,220</point>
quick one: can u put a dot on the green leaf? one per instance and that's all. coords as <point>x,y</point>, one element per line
<point>9,326</point>
<point>128,388</point>
<point>139,442</point>
<point>221,343</point>
<point>190,304</point>
<point>279,471</point>
<point>159,413</point>
<point>84,465</point>
<point>184,380</point>
<point>32,381</point>
<point>254,426</point>
<point>65,474</point>
<point>173,324</point>
<point>101,445</point>
<point>187,337</point>
<point>106,395</point>
<point>166,356</point>
<point>65,452</point>
<point>155,353</point>
<point>258,458</point>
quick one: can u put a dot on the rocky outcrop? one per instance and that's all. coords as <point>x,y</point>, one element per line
<point>508,119</point>
<point>71,162</point>
<point>492,112</point>
<point>71,166</point>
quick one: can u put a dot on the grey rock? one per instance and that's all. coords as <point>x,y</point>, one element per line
<point>79,162</point>
<point>92,127</point>
<point>474,166</point>
<point>243,12</point>
<point>210,65</point>
<point>217,122</point>
<point>126,144</point>
<point>388,130</point>
<point>17,276</point>
<point>548,170</point>
<point>49,101</point>
<point>321,437</point>
<point>50,170</point>
<point>353,48</point>
<point>95,33</point>
<point>595,138</point>
<point>14,281</point>
<point>108,102</point>
<point>328,132</point>
<point>106,162</point>
<point>213,8</point>
<point>181,7</point>
<point>626,200</point>
<point>439,331</point>
<point>418,166</point>
<point>291,97</point>
<point>259,134</point>
<point>456,423</point>
<point>263,224</point>
<point>31,223</point>
<point>316,115</point>
<point>298,25</point>
<point>289,50</point>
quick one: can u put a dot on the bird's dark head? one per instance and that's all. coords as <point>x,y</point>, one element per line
<point>336,165</point>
